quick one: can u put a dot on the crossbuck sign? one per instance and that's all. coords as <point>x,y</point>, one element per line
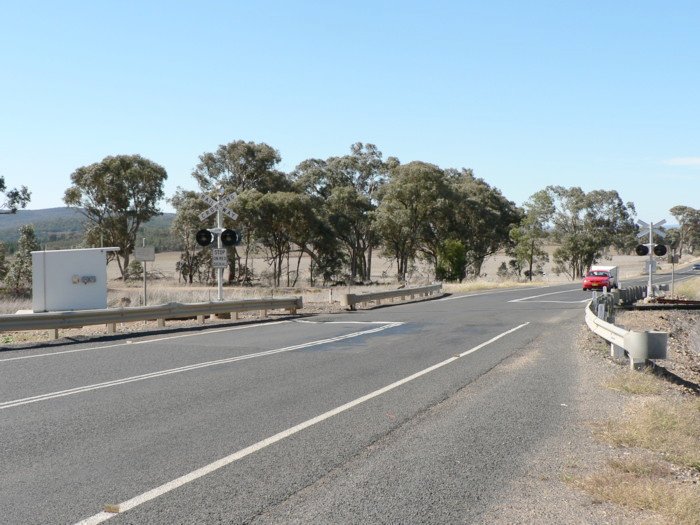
<point>220,205</point>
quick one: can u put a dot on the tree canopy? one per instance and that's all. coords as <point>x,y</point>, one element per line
<point>584,225</point>
<point>339,209</point>
<point>14,197</point>
<point>117,195</point>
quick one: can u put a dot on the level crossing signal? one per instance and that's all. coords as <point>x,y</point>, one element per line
<point>659,250</point>
<point>650,228</point>
<point>204,237</point>
<point>228,237</point>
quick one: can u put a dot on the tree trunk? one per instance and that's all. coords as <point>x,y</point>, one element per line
<point>232,266</point>
<point>296,277</point>
<point>369,262</point>
<point>125,267</point>
<point>288,281</point>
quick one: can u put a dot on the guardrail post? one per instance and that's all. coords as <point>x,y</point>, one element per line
<point>200,319</point>
<point>111,328</point>
<point>55,333</point>
<point>161,322</point>
<point>349,300</point>
<point>642,346</point>
<point>601,311</point>
<point>616,351</point>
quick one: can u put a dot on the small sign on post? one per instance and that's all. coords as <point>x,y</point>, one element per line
<point>219,257</point>
<point>145,253</point>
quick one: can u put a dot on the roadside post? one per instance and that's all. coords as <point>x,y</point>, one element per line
<point>673,259</point>
<point>143,254</point>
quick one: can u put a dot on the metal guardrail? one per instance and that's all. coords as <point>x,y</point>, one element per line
<point>638,346</point>
<point>351,300</point>
<point>111,316</point>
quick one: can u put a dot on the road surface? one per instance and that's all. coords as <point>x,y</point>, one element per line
<point>422,412</point>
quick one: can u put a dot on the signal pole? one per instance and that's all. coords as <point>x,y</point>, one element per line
<point>219,206</point>
<point>653,228</point>
<point>219,270</point>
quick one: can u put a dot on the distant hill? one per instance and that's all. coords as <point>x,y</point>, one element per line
<point>64,227</point>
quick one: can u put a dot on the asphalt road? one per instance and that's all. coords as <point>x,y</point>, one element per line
<point>421,412</point>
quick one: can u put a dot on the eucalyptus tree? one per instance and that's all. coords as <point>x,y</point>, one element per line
<point>19,275</point>
<point>347,188</point>
<point>280,221</point>
<point>14,197</point>
<point>482,217</point>
<point>689,228</point>
<point>530,234</point>
<point>411,217</point>
<point>237,167</point>
<point>4,265</point>
<point>584,225</point>
<point>117,195</point>
<point>188,205</point>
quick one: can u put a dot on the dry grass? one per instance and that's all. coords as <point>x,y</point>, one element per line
<point>645,484</point>
<point>475,286</point>
<point>11,305</point>
<point>658,437</point>
<point>636,383</point>
<point>689,289</point>
<point>668,426</point>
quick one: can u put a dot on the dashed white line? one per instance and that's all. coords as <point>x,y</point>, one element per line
<point>223,462</point>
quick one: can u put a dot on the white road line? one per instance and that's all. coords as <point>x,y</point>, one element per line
<point>541,295</point>
<point>161,373</point>
<point>223,462</point>
<point>143,342</point>
<point>338,322</point>
<point>491,292</point>
<point>561,302</point>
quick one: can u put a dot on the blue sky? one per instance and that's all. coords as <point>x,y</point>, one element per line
<point>596,94</point>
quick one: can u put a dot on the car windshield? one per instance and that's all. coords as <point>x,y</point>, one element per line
<point>598,274</point>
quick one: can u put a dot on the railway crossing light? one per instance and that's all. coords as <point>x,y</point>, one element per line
<point>204,237</point>
<point>229,238</point>
<point>660,250</point>
<point>641,249</point>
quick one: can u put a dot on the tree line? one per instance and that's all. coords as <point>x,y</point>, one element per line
<point>339,211</point>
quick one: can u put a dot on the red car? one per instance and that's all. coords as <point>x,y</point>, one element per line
<point>597,280</point>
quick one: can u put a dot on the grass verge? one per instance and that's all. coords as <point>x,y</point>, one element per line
<point>668,426</point>
<point>689,289</point>
<point>636,383</point>
<point>658,442</point>
<point>645,484</point>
